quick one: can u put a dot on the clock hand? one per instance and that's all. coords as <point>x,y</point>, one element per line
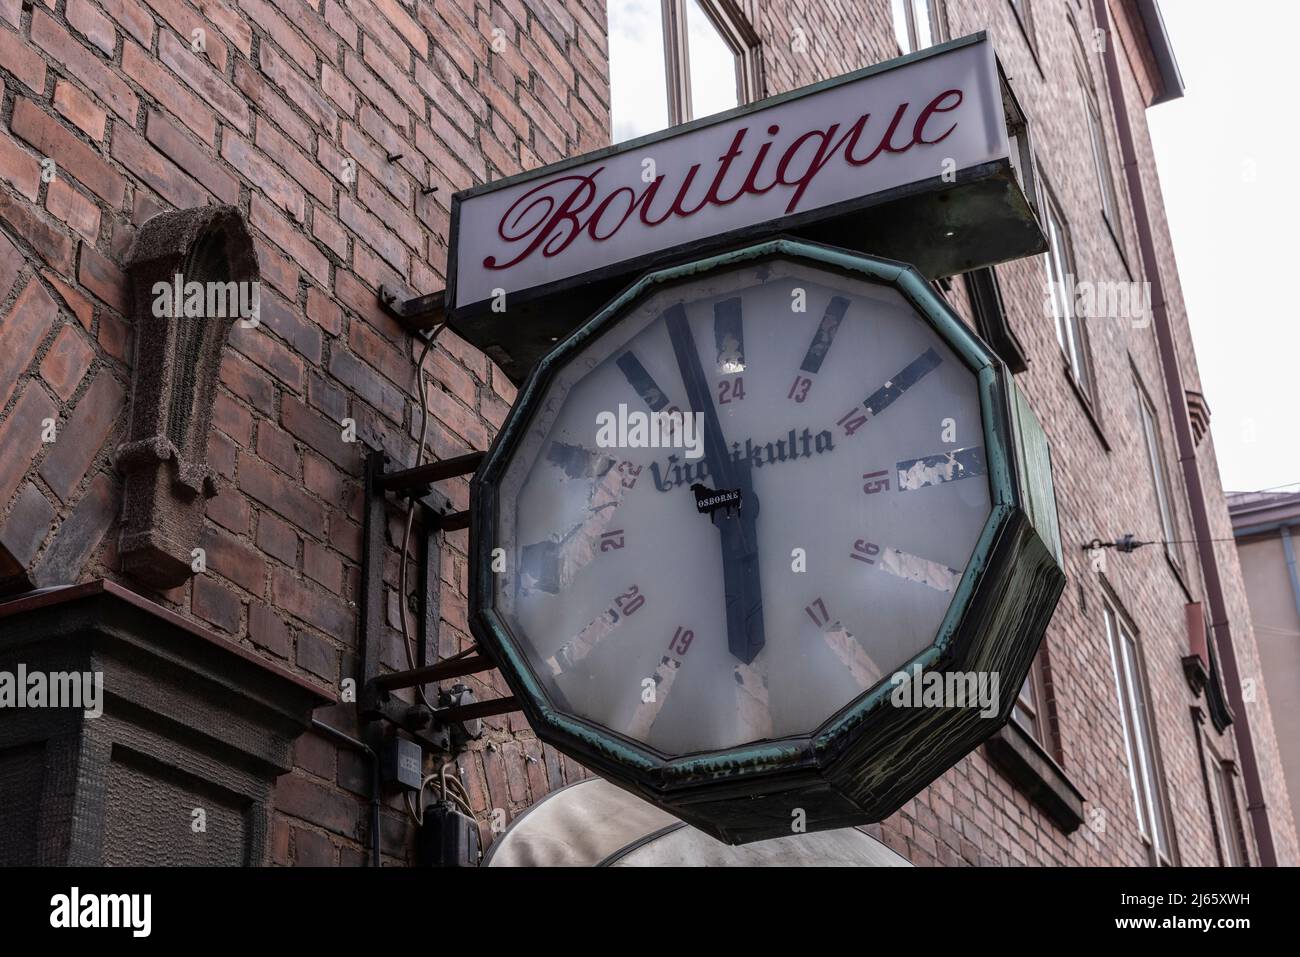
<point>739,533</point>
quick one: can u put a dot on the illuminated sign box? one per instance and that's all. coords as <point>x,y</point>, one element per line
<point>924,159</point>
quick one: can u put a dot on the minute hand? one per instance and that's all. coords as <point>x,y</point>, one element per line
<point>739,538</point>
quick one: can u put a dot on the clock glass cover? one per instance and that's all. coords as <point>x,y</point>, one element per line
<point>748,578</point>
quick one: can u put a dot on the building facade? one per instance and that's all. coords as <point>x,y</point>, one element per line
<point>316,144</point>
<point>1263,524</point>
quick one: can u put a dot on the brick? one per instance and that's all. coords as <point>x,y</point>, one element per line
<point>322,434</point>
<point>370,88</point>
<point>281,494</point>
<point>221,453</point>
<point>276,268</point>
<point>92,25</point>
<point>27,525</point>
<point>24,328</point>
<point>172,96</point>
<point>373,232</point>
<point>277,539</point>
<point>184,19</point>
<point>82,437</point>
<point>73,157</point>
<point>194,70</point>
<point>338,89</point>
<point>230,510</point>
<point>303,337</point>
<point>322,565</point>
<point>114,336</point>
<point>79,535</point>
<point>323,479</point>
<point>299,797</point>
<point>317,656</point>
<point>66,361</point>
<point>20,168</point>
<point>266,630</point>
<point>133,17</point>
<point>322,310</point>
<point>261,347</point>
<point>389,175</point>
<point>80,110</point>
<point>198,163</point>
<point>20,436</point>
<point>100,275</point>
<point>259,171</point>
<point>233,419</point>
<point>234,559</point>
<point>329,232</point>
<point>266,218</point>
<point>299,91</point>
<point>376,350</point>
<point>84,65</point>
<point>363,380</point>
<point>22,61</point>
<point>267,17</point>
<point>246,380</point>
<point>276,447</point>
<point>80,213</point>
<point>157,170</point>
<point>294,162</point>
<point>259,93</point>
<point>457,417</point>
<point>12,264</point>
<point>340,23</point>
<point>314,606</point>
<point>215,604</point>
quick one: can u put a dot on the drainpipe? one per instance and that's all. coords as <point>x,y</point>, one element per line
<point>1187,454</point>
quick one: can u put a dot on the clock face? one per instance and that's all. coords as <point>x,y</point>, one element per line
<point>793,544</point>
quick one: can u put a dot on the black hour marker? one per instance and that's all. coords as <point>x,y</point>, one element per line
<point>825,335</point>
<point>943,467</point>
<point>641,380</point>
<point>729,336</point>
<point>915,370</point>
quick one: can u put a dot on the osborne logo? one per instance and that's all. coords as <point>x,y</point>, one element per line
<point>925,119</point>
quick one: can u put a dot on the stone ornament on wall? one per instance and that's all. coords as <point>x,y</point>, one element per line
<point>193,273</point>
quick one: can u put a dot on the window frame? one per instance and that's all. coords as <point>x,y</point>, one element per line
<point>938,23</point>
<point>1031,701</point>
<point>1071,333</point>
<point>1141,741</point>
<point>736,33</point>
<point>1159,472</point>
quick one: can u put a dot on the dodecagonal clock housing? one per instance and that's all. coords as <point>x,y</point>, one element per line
<point>732,516</point>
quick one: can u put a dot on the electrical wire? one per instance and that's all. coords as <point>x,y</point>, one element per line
<point>410,513</point>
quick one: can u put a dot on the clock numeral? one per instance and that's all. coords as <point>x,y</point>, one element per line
<point>611,541</point>
<point>630,600</point>
<point>852,420</point>
<point>874,483</point>
<point>681,642</point>
<point>730,390</point>
<point>818,613</point>
<point>864,551</point>
<point>630,472</point>
<point>799,388</point>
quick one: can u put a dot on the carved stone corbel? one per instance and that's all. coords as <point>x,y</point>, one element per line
<point>180,330</point>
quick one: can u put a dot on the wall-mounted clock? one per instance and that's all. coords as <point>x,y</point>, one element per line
<point>715,624</point>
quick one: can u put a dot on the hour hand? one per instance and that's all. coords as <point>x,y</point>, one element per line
<point>741,583</point>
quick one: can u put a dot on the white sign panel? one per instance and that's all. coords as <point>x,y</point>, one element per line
<point>924,118</point>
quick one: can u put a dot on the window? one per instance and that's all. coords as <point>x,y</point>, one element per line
<point>1139,738</point>
<point>1155,459</point>
<point>1030,709</point>
<point>1060,278</point>
<point>1100,158</point>
<point>917,24</point>
<point>1227,812</point>
<point>672,61</point>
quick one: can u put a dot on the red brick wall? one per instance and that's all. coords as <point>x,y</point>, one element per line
<point>466,91</point>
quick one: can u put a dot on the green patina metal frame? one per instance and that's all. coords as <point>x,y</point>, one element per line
<point>1021,497</point>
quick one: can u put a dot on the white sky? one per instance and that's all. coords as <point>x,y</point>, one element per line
<point>1227,153</point>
